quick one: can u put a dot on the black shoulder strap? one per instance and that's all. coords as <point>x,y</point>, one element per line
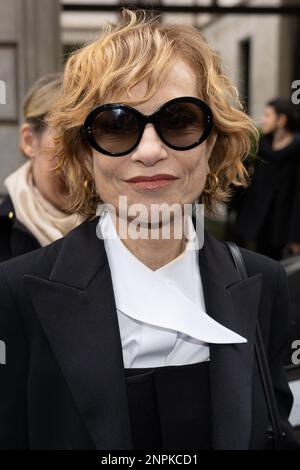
<point>275,431</point>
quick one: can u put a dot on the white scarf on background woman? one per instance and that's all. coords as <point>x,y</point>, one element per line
<point>39,216</point>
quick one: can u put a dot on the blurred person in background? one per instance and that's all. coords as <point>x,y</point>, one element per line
<point>34,213</point>
<point>269,209</point>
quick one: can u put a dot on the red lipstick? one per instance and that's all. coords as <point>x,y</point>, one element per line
<point>152,182</point>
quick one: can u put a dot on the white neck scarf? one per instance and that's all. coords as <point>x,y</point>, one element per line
<point>39,216</point>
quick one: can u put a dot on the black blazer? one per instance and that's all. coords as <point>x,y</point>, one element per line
<point>15,238</point>
<point>63,384</point>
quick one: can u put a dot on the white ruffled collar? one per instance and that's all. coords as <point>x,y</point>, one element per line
<point>170,297</point>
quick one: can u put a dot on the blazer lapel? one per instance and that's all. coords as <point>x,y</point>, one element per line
<point>235,304</point>
<point>77,311</point>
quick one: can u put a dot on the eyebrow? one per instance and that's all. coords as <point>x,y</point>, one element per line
<point>156,109</point>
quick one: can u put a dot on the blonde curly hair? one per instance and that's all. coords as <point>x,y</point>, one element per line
<point>141,47</point>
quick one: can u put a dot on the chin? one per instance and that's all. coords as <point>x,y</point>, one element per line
<point>163,214</point>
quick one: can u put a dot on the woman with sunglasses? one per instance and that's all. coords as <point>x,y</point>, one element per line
<point>118,337</point>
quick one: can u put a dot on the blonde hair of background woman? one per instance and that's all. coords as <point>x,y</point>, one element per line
<point>39,99</point>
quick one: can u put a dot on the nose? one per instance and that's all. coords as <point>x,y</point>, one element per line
<point>151,149</point>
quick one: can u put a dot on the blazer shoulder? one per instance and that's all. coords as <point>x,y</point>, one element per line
<point>259,263</point>
<point>274,276</point>
<point>40,261</point>
<point>37,262</point>
<point>256,263</point>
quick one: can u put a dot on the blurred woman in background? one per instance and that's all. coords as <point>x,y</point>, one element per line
<point>34,213</point>
<point>269,213</point>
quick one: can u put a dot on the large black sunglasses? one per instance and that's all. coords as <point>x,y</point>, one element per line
<point>116,129</point>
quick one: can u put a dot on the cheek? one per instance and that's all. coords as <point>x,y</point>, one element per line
<point>195,165</point>
<point>106,170</point>
<point>48,159</point>
<point>194,170</point>
<point>269,122</point>
<point>103,169</point>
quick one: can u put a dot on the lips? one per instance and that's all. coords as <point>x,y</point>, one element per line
<point>162,176</point>
<point>151,183</point>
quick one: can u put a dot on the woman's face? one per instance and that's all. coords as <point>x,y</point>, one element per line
<point>48,182</point>
<point>271,121</point>
<point>153,157</point>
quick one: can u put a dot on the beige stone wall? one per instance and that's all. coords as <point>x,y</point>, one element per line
<point>273,41</point>
<point>225,36</point>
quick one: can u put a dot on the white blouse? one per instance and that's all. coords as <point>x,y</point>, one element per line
<point>161,313</point>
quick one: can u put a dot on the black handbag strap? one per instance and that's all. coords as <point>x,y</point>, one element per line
<point>275,432</point>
